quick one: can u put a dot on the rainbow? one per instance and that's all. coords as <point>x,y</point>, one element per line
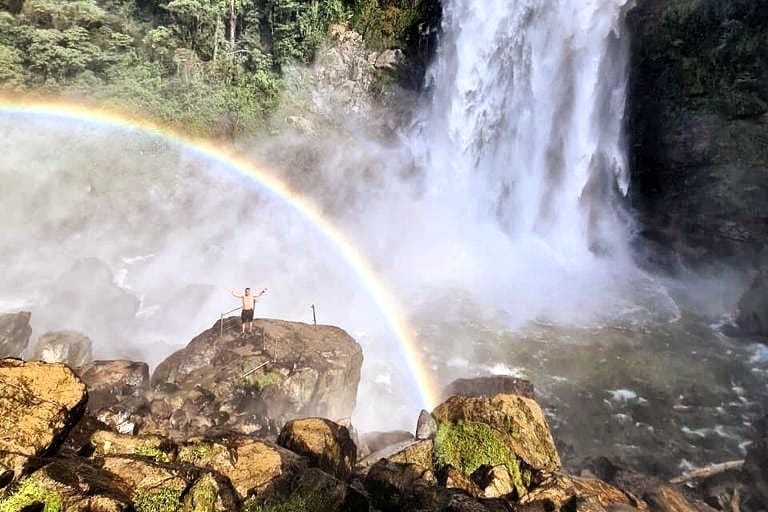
<point>427,385</point>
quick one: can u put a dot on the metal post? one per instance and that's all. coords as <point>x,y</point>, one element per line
<point>314,315</point>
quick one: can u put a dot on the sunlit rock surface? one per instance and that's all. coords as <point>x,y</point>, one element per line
<point>303,371</point>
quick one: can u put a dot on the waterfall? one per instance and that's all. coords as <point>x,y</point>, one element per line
<point>526,123</point>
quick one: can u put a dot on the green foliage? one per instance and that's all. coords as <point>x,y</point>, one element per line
<point>385,23</point>
<point>162,499</point>
<point>297,502</point>
<point>197,452</point>
<point>30,493</point>
<point>260,381</point>
<point>300,27</point>
<point>713,54</point>
<point>467,445</point>
<point>152,452</point>
<point>11,70</point>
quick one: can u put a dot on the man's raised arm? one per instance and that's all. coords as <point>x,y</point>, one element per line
<point>235,294</point>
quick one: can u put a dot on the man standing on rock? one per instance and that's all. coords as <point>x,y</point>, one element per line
<point>249,301</point>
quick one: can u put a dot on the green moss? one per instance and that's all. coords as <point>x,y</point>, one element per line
<point>163,499</point>
<point>467,445</point>
<point>297,502</point>
<point>29,493</point>
<point>197,452</point>
<point>202,496</point>
<point>152,452</point>
<point>262,380</point>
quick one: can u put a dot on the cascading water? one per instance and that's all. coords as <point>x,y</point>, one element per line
<point>528,115</point>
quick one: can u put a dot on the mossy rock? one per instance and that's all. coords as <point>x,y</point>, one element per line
<point>468,446</point>
<point>503,429</point>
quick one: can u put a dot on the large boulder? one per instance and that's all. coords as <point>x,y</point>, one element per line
<point>111,382</point>
<point>15,332</point>
<point>507,430</point>
<point>207,387</point>
<point>254,467</point>
<point>39,405</point>
<point>326,445</point>
<point>69,347</point>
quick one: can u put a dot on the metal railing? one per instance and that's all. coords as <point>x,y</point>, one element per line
<point>221,320</point>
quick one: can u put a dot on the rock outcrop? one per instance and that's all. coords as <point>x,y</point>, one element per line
<point>39,405</point>
<point>303,371</point>
<point>698,101</point>
<point>15,332</point>
<point>69,347</point>
<point>509,421</point>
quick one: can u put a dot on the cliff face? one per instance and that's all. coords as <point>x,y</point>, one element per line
<point>699,127</point>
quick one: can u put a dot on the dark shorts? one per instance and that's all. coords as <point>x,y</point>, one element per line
<point>247,315</point>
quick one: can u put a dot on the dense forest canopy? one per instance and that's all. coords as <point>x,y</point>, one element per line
<point>214,66</point>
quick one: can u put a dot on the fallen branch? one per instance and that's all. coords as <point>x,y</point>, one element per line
<point>708,471</point>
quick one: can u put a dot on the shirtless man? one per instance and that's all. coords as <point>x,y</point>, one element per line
<point>249,301</point>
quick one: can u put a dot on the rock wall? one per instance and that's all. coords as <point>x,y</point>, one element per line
<point>698,119</point>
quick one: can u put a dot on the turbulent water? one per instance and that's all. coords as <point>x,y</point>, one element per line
<point>497,218</point>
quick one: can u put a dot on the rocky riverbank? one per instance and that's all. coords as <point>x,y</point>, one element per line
<point>202,434</point>
<point>472,453</point>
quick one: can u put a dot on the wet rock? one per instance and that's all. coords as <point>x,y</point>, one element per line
<point>493,481</point>
<point>752,319</point>
<point>310,371</point>
<point>15,332</point>
<point>459,502</point>
<point>504,429</point>
<point>69,347</point>
<point>490,386</point>
<point>326,445</point>
<point>254,467</point>
<point>569,493</point>
<point>110,382</point>
<point>393,487</point>
<point>426,427</point>
<point>372,442</point>
<point>39,405</point>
